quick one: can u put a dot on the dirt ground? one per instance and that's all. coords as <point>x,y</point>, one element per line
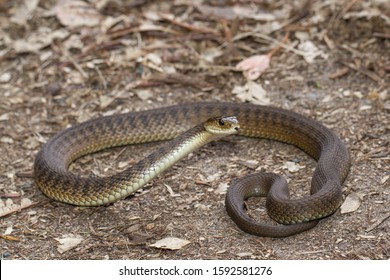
<point>63,63</point>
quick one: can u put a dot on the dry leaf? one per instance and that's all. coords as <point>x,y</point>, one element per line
<point>171,192</point>
<point>9,207</point>
<point>233,12</point>
<point>211,53</point>
<point>351,203</point>
<point>252,163</point>
<point>292,166</point>
<point>244,255</point>
<point>202,207</point>
<point>9,230</point>
<point>105,101</point>
<point>222,188</point>
<point>4,117</point>
<point>385,179</point>
<point>38,40</point>
<point>74,13</point>
<point>144,94</point>
<point>23,12</point>
<point>6,140</point>
<point>25,202</point>
<point>252,92</point>
<point>171,243</point>
<point>310,52</point>
<point>154,58</point>
<point>254,66</point>
<point>68,242</point>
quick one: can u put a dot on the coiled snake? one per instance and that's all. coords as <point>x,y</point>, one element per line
<point>51,173</point>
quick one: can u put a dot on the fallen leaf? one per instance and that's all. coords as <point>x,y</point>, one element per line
<point>385,179</point>
<point>9,230</point>
<point>6,140</point>
<point>222,188</point>
<point>171,192</point>
<point>105,101</point>
<point>171,243</point>
<point>4,117</point>
<point>38,40</point>
<point>68,242</point>
<point>144,94</point>
<point>244,254</point>
<point>74,13</point>
<point>252,163</point>
<point>252,92</point>
<point>154,58</point>
<point>210,54</point>
<point>23,12</point>
<point>25,202</point>
<point>310,51</point>
<point>233,12</point>
<point>254,66</point>
<point>202,207</point>
<point>292,166</point>
<point>351,203</point>
<point>9,207</point>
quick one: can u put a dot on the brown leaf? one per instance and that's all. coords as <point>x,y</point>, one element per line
<point>351,203</point>
<point>171,243</point>
<point>23,12</point>
<point>68,242</point>
<point>74,13</point>
<point>254,66</point>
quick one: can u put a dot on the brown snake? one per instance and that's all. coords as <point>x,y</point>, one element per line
<point>53,178</point>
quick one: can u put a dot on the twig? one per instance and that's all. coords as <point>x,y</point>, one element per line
<point>188,26</point>
<point>270,39</point>
<point>104,82</point>
<point>273,51</point>
<point>374,226</point>
<point>17,209</point>
<point>381,35</point>
<point>187,66</point>
<point>312,252</point>
<point>9,237</point>
<point>339,73</point>
<point>365,72</point>
<point>344,10</point>
<point>10,195</point>
<point>77,66</point>
<point>25,174</point>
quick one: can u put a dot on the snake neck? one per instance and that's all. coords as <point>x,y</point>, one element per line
<point>157,162</point>
<point>173,151</point>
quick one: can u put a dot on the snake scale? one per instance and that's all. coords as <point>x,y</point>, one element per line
<point>51,173</point>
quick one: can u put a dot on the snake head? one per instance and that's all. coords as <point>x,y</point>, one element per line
<point>222,125</point>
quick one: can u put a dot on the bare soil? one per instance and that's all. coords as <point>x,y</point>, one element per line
<point>55,72</point>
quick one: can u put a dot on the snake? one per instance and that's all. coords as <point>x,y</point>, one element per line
<point>188,127</point>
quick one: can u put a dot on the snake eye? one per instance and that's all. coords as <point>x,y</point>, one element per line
<point>221,122</point>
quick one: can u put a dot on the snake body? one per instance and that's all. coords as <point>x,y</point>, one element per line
<point>53,178</point>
